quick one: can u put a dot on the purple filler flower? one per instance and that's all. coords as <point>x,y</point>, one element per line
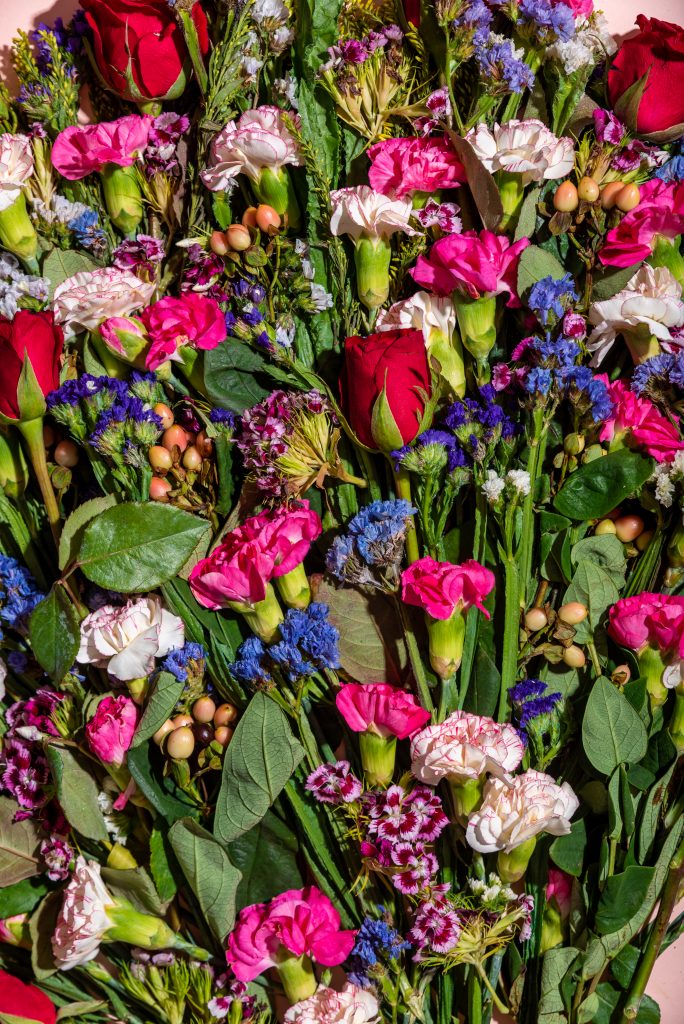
<point>334,784</point>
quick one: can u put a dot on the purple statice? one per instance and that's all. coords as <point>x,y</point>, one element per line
<point>19,593</point>
<point>441,215</point>
<point>475,22</point>
<point>502,65</point>
<point>555,374</point>
<point>550,297</point>
<point>308,643</point>
<point>249,668</point>
<point>202,272</point>
<point>532,705</point>
<point>371,552</point>
<point>59,858</point>
<point>549,22</point>
<point>579,384</point>
<point>141,255</point>
<point>538,706</point>
<point>24,773</point>
<point>17,661</point>
<point>127,428</point>
<point>186,663</point>
<point>397,815</point>
<point>538,381</point>
<point>87,231</point>
<point>161,154</point>
<point>526,690</point>
<point>607,127</point>
<point>377,944</point>
<point>223,420</point>
<point>479,424</point>
<point>673,169</point>
<point>436,926</point>
<point>334,784</point>
<point>656,376</point>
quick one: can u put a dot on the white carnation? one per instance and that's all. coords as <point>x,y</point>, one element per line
<point>362,211</point>
<point>515,810</point>
<point>126,639</point>
<point>353,1005</point>
<point>82,920</point>
<point>16,167</point>
<point>86,300</point>
<point>259,139</point>
<point>527,148</point>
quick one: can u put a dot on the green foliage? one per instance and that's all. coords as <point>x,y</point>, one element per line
<point>166,690</point>
<point>55,634</point>
<point>77,792</point>
<point>209,872</point>
<point>232,375</point>
<point>612,731</point>
<point>269,842</point>
<point>598,487</point>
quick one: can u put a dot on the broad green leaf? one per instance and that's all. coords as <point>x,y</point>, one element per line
<point>139,545</point>
<point>612,731</point>
<point>160,790</point>
<point>611,281</point>
<point>587,1009</point>
<point>594,587</point>
<point>485,685</point>
<point>63,263</point>
<point>567,852</point>
<point>41,929</point>
<point>607,552</point>
<point>555,965</point>
<point>55,633</point>
<point>622,896</point>
<point>79,1008</point>
<point>650,815</point>
<point>77,791</point>
<point>162,700</point>
<point>162,865</point>
<point>209,872</point>
<point>230,376</point>
<point>136,886</point>
<point>534,264</point>
<point>598,487</point>
<point>72,531</point>
<point>19,843</point>
<point>371,640</point>
<point>22,897</point>
<point>259,760</point>
<point>527,221</point>
<point>270,842</point>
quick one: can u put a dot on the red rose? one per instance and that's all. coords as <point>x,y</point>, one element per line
<point>658,48</point>
<point>32,335</point>
<point>25,1001</point>
<point>395,361</point>
<point>139,48</point>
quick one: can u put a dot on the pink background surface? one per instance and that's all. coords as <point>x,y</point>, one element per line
<point>667,981</point>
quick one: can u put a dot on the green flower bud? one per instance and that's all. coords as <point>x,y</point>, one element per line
<point>446,637</point>
<point>372,258</point>
<point>512,866</point>
<point>18,234</point>
<point>123,197</point>
<point>294,588</point>
<point>377,757</point>
<point>476,320</point>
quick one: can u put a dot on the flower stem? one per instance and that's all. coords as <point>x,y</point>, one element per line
<point>511,637</point>
<point>534,462</point>
<point>655,939</point>
<point>402,486</point>
<point>32,431</point>
<point>495,999</point>
<point>416,661</point>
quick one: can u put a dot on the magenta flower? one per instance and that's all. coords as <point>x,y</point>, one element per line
<point>193,319</point>
<point>479,265</point>
<point>238,571</point>
<point>660,213</point>
<point>381,709</point>
<point>82,149</point>
<point>655,433</point>
<point>299,922</point>
<point>287,533</point>
<point>649,619</point>
<point>334,784</point>
<point>110,731</point>
<point>400,167</point>
<point>441,588</point>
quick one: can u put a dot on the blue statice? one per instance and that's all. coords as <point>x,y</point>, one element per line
<point>502,65</point>
<point>477,17</point>
<point>377,943</point>
<point>549,22</point>
<point>308,644</point>
<point>654,377</point>
<point>525,690</point>
<point>17,661</point>
<point>673,169</point>
<point>87,231</point>
<point>127,429</point>
<point>550,297</point>
<point>19,593</point>
<point>370,553</point>
<point>186,662</point>
<point>250,666</point>
<point>146,387</point>
<point>479,424</point>
<point>537,714</point>
<point>17,286</point>
<point>559,376</point>
<point>539,706</point>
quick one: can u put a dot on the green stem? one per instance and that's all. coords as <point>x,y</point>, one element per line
<point>472,616</point>
<point>192,42</point>
<point>32,431</point>
<point>655,939</point>
<point>474,999</point>
<point>416,661</point>
<point>534,462</point>
<point>501,1006</point>
<point>402,486</point>
<point>511,637</point>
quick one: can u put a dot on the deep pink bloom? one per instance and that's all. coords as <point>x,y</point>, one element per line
<point>334,784</point>
<point>441,588</point>
<point>110,731</point>
<point>237,571</point>
<point>656,619</point>
<point>301,922</point>
<point>657,435</point>
<point>660,212</point>
<point>579,8</point>
<point>380,708</point>
<point>400,167</point>
<point>192,319</point>
<point>286,533</point>
<point>559,887</point>
<point>484,264</point>
<point>81,149</point>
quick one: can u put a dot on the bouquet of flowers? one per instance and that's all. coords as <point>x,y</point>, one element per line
<point>341,540</point>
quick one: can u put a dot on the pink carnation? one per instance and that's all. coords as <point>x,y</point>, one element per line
<point>381,709</point>
<point>647,618</point>
<point>300,922</point>
<point>654,432</point>
<point>441,588</point>
<point>464,747</point>
<point>286,533</point>
<point>81,149</point>
<point>236,572</point>
<point>579,8</point>
<point>559,887</point>
<point>659,213</point>
<point>400,167</point>
<point>192,319</point>
<point>110,730</point>
<point>484,264</point>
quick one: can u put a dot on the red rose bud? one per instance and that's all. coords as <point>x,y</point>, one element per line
<point>656,51</point>
<point>384,387</point>
<point>30,349</point>
<point>139,49</point>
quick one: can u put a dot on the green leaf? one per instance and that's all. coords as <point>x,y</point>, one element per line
<point>162,864</point>
<point>77,791</point>
<point>592,586</point>
<point>72,531</point>
<point>482,185</point>
<point>61,264</point>
<point>627,106</point>
<point>22,897</point>
<point>598,487</point>
<point>611,281</point>
<point>136,886</point>
<point>607,552</point>
<point>54,633</point>
<point>19,842</point>
<point>138,546</point>
<point>527,221</point>
<point>270,842</point>
<point>41,929</point>
<point>259,760</point>
<point>567,852</point>
<point>230,378</point>
<point>163,793</point>
<point>650,815</point>
<point>485,686</point>
<point>622,896</point>
<point>612,731</point>
<point>534,264</point>
<point>79,1008</point>
<point>371,640</point>
<point>555,965</point>
<point>587,1009</point>
<point>163,698</point>
<point>209,872</point>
